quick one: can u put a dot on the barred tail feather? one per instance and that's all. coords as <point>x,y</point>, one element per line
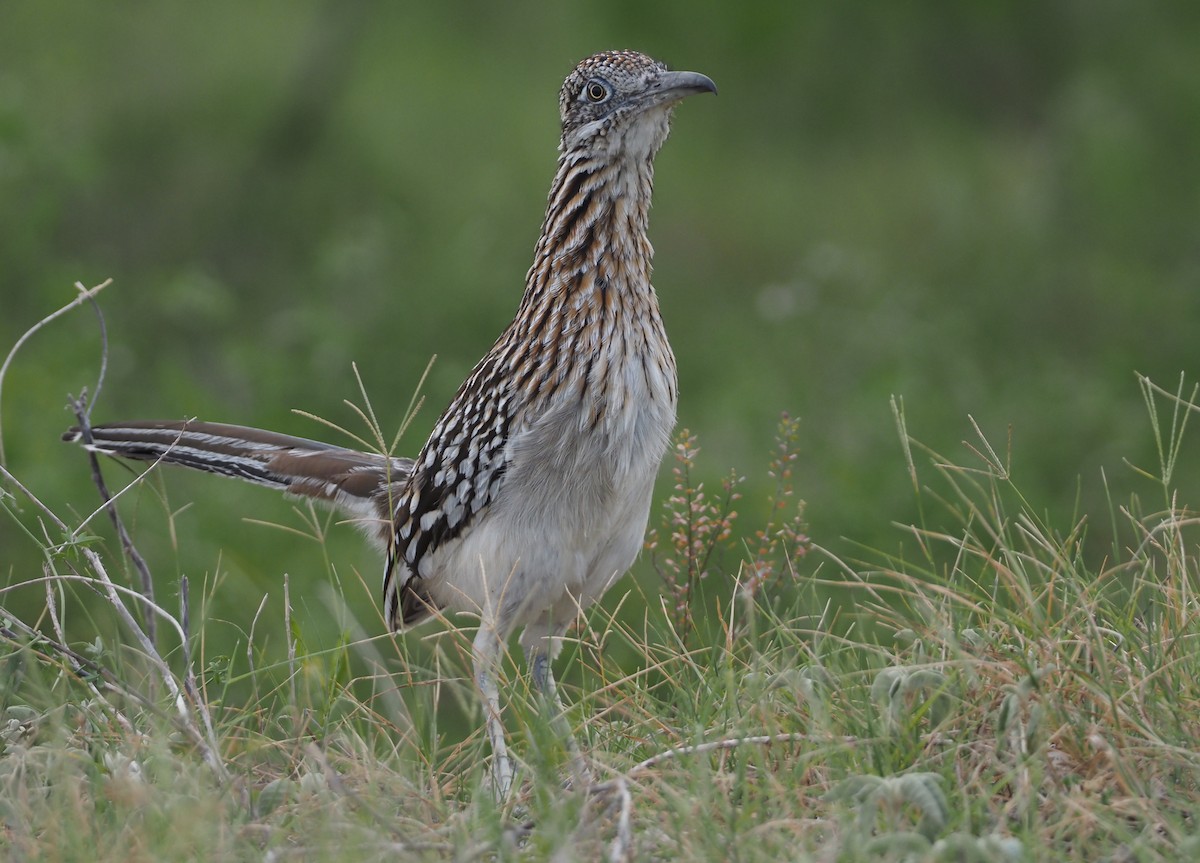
<point>360,484</point>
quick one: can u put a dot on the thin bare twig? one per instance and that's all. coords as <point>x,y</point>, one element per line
<point>84,295</point>
<point>52,603</point>
<point>717,745</point>
<point>185,626</point>
<point>79,408</point>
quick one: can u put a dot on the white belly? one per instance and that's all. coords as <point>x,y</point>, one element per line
<point>571,516</point>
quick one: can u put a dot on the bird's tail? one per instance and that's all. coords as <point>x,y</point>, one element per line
<point>360,484</point>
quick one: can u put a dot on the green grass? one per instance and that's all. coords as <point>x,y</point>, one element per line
<point>994,688</point>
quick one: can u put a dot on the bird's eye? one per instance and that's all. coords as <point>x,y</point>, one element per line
<point>595,91</point>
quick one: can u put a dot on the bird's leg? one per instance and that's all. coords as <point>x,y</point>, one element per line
<point>539,657</point>
<point>487,662</point>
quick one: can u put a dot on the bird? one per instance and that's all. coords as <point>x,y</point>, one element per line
<point>531,496</point>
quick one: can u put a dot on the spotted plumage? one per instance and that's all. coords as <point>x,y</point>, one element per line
<point>531,495</point>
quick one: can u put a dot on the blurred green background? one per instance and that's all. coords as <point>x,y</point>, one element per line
<point>990,209</point>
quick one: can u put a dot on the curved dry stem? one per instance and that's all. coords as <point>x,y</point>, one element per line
<point>85,295</point>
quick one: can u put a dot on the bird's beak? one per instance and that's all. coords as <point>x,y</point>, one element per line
<point>672,86</point>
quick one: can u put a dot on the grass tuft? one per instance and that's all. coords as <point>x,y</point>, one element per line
<point>998,688</point>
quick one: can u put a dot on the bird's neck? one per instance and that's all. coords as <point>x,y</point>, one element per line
<point>594,234</point>
<point>588,303</point>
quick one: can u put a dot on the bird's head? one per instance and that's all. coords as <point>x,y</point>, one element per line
<point>619,103</point>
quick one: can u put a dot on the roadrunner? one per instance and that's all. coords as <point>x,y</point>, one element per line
<point>531,496</point>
